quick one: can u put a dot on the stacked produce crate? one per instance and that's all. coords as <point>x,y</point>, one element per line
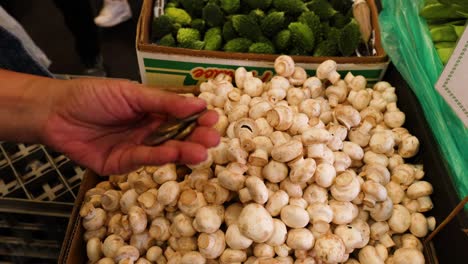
<point>37,189</point>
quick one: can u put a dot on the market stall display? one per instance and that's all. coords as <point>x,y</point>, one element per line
<point>407,40</point>
<point>310,168</point>
<point>447,21</point>
<point>315,28</point>
<point>298,177</point>
<point>182,65</point>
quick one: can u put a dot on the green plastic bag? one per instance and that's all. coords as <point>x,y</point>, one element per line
<point>407,41</point>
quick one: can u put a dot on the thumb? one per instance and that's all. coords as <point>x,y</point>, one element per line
<point>171,152</point>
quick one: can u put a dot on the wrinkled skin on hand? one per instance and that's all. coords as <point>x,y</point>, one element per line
<point>101,125</point>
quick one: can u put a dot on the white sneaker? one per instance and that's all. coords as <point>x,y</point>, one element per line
<point>113,12</point>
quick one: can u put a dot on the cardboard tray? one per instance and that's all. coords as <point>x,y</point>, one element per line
<point>179,66</point>
<point>449,246</point>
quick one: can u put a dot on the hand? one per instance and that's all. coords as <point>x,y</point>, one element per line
<point>101,124</point>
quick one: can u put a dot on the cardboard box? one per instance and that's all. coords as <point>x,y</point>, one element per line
<point>178,66</point>
<point>444,196</point>
<point>74,246</point>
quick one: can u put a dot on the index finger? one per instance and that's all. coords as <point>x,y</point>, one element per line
<point>144,99</point>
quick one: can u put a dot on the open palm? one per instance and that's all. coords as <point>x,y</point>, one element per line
<point>101,124</point>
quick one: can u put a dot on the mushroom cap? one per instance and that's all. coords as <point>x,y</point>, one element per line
<point>253,86</point>
<point>138,219</point>
<point>382,211</point>
<point>347,115</point>
<point>234,238</point>
<point>316,136</point>
<point>303,172</point>
<point>419,225</point>
<point>276,202</point>
<point>343,212</point>
<point>111,244</point>
<point>378,229</point>
<point>315,194</point>
<point>257,189</point>
<point>381,86</point>
<point>294,216</point>
<point>256,223</point>
<point>382,142</point>
<point>419,189</point>
<point>300,239</point>
<point>212,245</point>
<point>310,107</point>
<point>93,249</point>
<point>400,220</point>
<point>280,117</point>
<point>408,256</point>
<point>239,77</point>
<point>374,189</point>
<point>325,175</point>
<point>279,235</point>
<point>127,252</point>
<point>193,257</point>
<point>208,219</point>
<point>314,85</point>
<point>320,212</point>
<point>369,255</point>
<point>110,200</point>
<point>275,171</point>
<point>346,186</point>
<point>284,65</point>
<point>287,151</point>
<point>325,68</point>
<point>372,115</point>
<point>408,147</point>
<point>376,172</point>
<point>279,83</point>
<point>351,236</point>
<point>259,109</point>
<point>247,124</point>
<point>363,227</point>
<point>329,248</point>
<point>359,82</point>
<point>298,77</point>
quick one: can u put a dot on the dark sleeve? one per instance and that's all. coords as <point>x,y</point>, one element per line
<point>14,57</point>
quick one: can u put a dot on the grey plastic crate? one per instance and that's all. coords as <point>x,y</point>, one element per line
<point>35,173</point>
<point>37,189</point>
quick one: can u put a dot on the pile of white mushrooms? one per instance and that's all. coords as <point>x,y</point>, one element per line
<point>309,170</point>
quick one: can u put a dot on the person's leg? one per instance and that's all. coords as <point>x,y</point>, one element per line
<point>113,12</point>
<point>78,17</point>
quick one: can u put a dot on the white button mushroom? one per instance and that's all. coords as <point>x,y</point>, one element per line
<point>208,219</point>
<point>235,239</point>
<point>327,70</point>
<point>294,216</point>
<point>400,220</point>
<point>343,212</point>
<point>300,239</point>
<point>346,187</point>
<point>314,85</point>
<point>407,256</point>
<point>211,246</point>
<point>329,248</point>
<point>284,65</point>
<point>256,223</point>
